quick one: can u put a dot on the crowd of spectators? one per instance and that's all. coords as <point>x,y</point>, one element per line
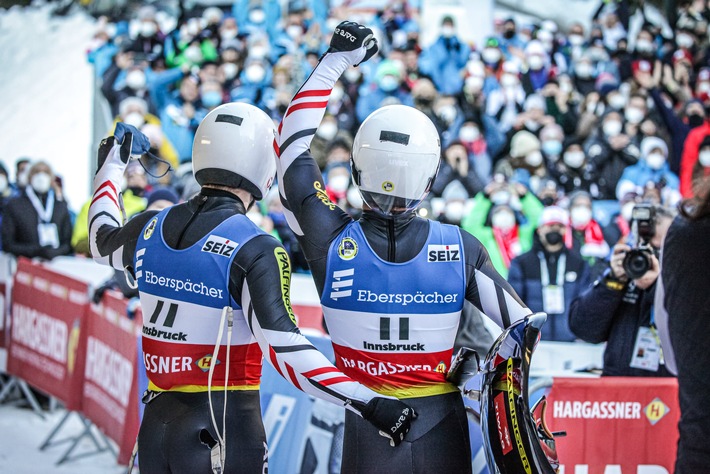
<point>550,136</point>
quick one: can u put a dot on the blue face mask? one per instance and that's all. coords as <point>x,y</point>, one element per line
<point>388,83</point>
<point>552,147</point>
<point>211,99</point>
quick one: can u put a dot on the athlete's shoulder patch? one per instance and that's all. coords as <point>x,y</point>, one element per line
<point>347,249</point>
<point>150,228</point>
<point>219,246</point>
<point>443,253</point>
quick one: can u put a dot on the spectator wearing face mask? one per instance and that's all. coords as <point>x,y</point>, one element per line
<point>503,217</point>
<point>651,168</point>
<point>477,147</point>
<point>610,151</point>
<point>701,170</point>
<point>509,39</point>
<point>572,171</point>
<point>37,224</point>
<point>679,125</point>
<point>124,78</point>
<point>537,62</point>
<point>456,166</point>
<point>504,104</point>
<point>22,169</point>
<point>618,310</point>
<point>525,161</point>
<point>445,59</point>
<point>549,276</point>
<point>387,88</point>
<point>585,235</point>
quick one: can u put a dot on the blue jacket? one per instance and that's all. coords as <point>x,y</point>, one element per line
<point>640,174</point>
<point>524,277</point>
<point>443,61</point>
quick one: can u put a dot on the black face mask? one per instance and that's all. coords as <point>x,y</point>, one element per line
<point>553,237</point>
<point>136,190</point>
<point>508,34</point>
<point>695,120</point>
<point>548,201</point>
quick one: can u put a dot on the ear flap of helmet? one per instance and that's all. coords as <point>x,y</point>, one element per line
<point>355,172</point>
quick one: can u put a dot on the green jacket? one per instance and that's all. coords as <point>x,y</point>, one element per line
<point>475,224</point>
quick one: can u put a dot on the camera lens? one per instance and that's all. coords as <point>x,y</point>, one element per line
<point>636,263</point>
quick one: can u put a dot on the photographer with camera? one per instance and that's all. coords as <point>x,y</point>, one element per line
<point>618,308</point>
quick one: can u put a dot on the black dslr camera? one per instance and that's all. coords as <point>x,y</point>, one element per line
<point>643,227</point>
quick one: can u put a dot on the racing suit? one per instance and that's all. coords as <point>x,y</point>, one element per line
<point>190,261</point>
<point>392,289</point>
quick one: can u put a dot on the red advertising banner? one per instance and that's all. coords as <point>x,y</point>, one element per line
<point>3,315</point>
<point>624,425</point>
<point>46,344</point>
<point>110,393</point>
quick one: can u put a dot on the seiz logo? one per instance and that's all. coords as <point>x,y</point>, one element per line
<point>341,287</point>
<point>443,253</point>
<point>219,246</point>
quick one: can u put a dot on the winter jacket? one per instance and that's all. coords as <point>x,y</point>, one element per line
<point>690,157</point>
<point>640,174</point>
<point>609,164</point>
<point>443,62</point>
<point>524,276</point>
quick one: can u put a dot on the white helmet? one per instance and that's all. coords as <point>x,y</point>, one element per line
<point>234,146</point>
<point>395,158</point>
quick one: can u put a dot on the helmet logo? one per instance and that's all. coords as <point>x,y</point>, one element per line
<point>347,250</point>
<point>388,186</point>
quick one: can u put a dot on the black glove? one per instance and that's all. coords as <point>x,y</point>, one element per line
<point>107,144</point>
<point>351,36</point>
<point>392,417</point>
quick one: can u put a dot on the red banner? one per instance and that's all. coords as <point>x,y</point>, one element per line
<point>46,344</point>
<point>3,315</point>
<point>624,425</point>
<point>110,393</point>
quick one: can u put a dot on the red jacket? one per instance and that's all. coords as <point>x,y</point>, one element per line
<point>690,157</point>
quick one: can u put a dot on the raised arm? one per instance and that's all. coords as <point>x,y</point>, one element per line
<point>111,243</point>
<point>300,183</point>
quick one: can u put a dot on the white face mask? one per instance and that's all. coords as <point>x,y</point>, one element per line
<point>447,113</point>
<point>611,128</point>
<point>22,177</point>
<point>509,80</point>
<point>228,34</point>
<point>327,130</point>
<point>473,84</point>
<point>684,41</point>
<point>583,70</point>
<point>573,159</point>
<point>134,118</point>
<point>536,62</point>
<point>644,46</point>
<point>230,70</point>
<point>257,52</point>
<point>193,54</point>
<point>41,182</point>
<point>294,32</point>
<point>534,159</point>
<point>617,101</point>
<point>352,75</point>
<point>580,216</point>
<point>136,80</point>
<point>469,134</point>
<point>655,160</point>
<point>704,158</point>
<point>633,115</point>
<point>255,73</point>
<point>148,29</point>
<point>454,211</point>
<point>338,183</point>
<point>503,220</point>
<point>3,183</point>
<point>257,15</point>
<point>576,40</point>
<point>500,197</point>
<point>447,31</point>
<point>491,55</point>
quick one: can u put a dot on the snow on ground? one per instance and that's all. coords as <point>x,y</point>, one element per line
<point>22,432</point>
<point>46,89</point>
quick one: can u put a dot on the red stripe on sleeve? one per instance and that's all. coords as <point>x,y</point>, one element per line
<point>276,150</point>
<point>319,371</point>
<point>335,380</point>
<point>108,195</point>
<point>312,93</point>
<point>274,360</point>
<point>292,375</point>
<point>306,105</point>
